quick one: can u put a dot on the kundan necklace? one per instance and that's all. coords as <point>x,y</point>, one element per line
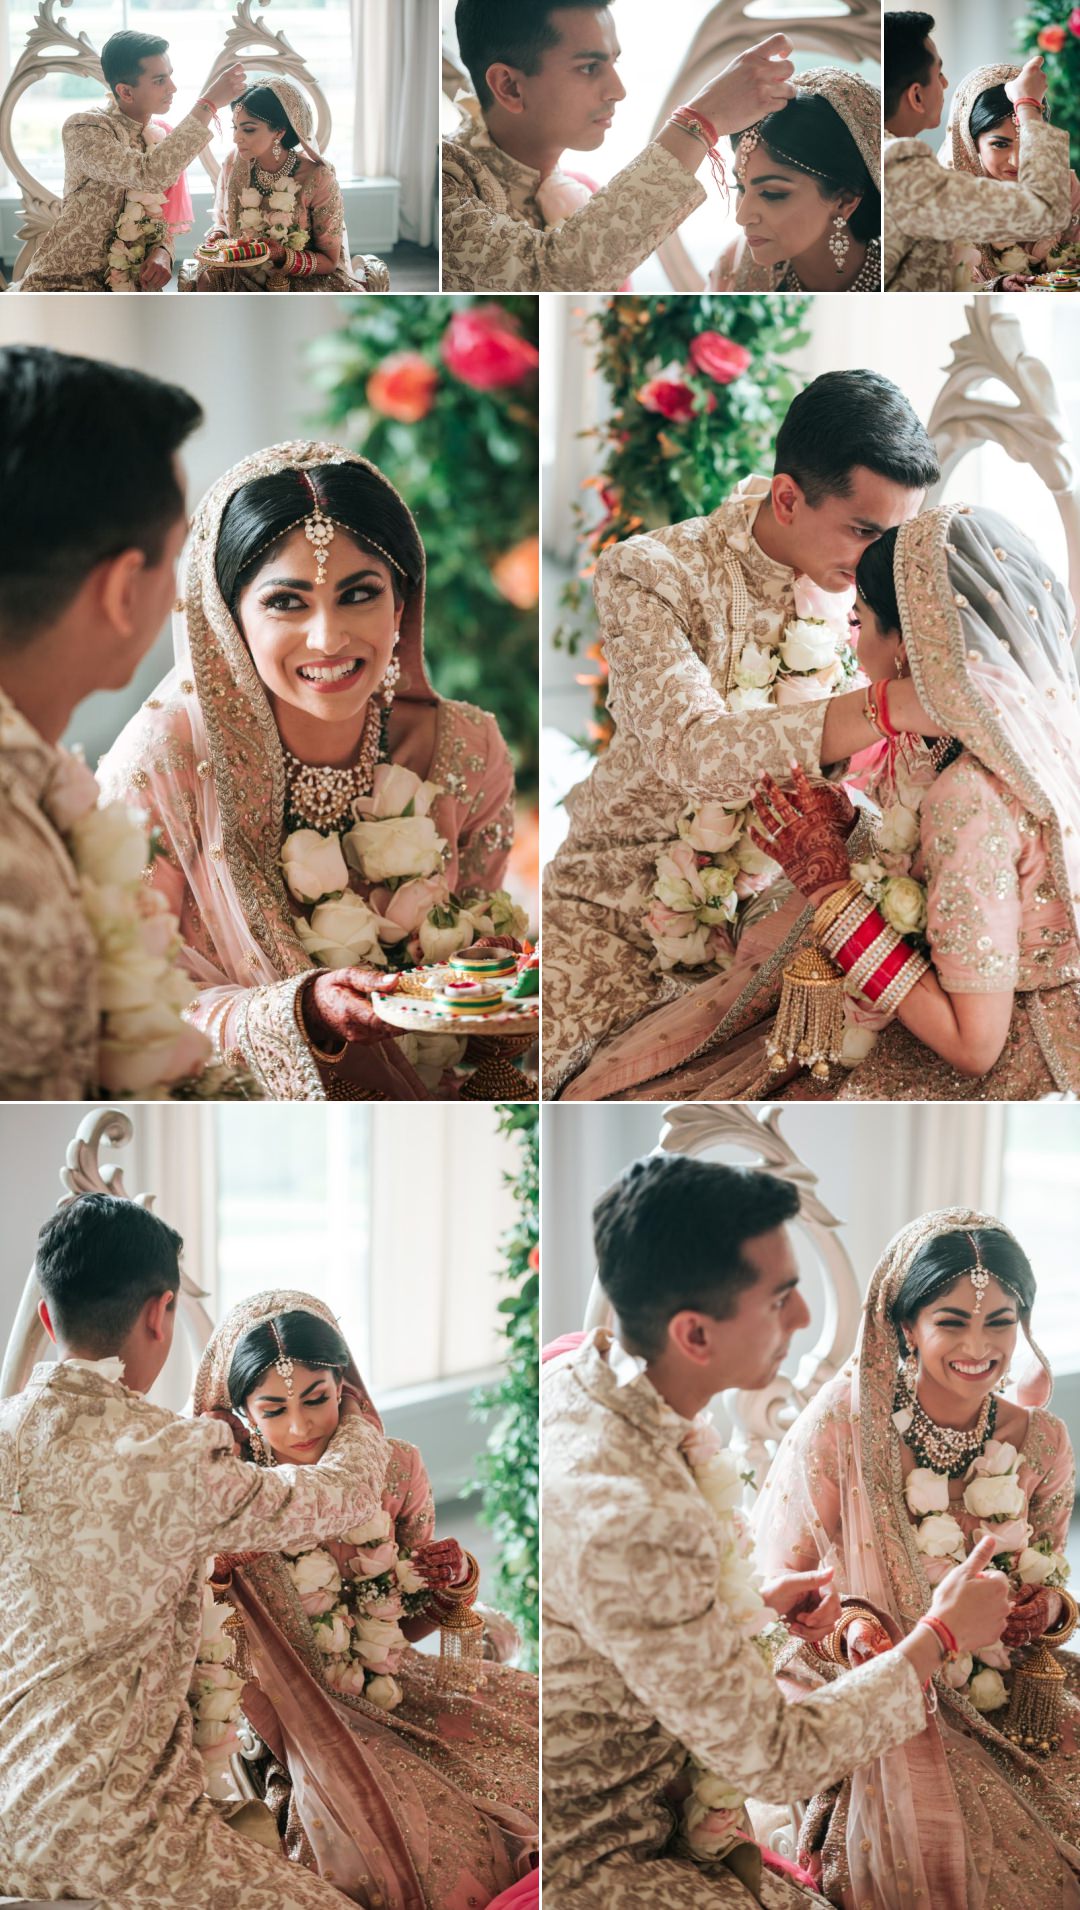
<point>945,1449</point>
<point>269,181</point>
<point>317,797</point>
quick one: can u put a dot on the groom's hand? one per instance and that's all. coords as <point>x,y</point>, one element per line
<point>156,272</point>
<point>758,82</point>
<point>1030,82</point>
<point>806,1601</point>
<point>227,87</point>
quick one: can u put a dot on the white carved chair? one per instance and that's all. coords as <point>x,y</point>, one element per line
<point>757,1421</point>
<point>52,47</point>
<point>1033,430</point>
<point>728,30</point>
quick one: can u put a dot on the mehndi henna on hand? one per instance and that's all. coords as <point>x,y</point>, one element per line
<point>807,831</point>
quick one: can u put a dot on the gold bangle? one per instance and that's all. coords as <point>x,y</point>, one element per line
<point>328,1060</point>
<point>463,1594</point>
<point>833,907</point>
<point>849,1617</point>
<point>1068,1621</point>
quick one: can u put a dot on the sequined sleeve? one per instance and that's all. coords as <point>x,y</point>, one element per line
<point>246,1508</point>
<point>663,694</point>
<point>323,196</point>
<point>414,1519</point>
<point>925,200</point>
<point>485,248</point>
<point>487,830</point>
<point>92,149</point>
<point>971,846</point>
<point>1051,1507</point>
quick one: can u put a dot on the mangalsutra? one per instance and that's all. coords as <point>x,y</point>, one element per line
<point>317,797</point>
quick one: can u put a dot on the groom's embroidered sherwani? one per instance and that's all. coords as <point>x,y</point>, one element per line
<point>48,957</point>
<point>101,1577</point>
<point>494,234</point>
<point>676,607</point>
<point>642,1666</point>
<point>105,153</point>
<point>930,209</point>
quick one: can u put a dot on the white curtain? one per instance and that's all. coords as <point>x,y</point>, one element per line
<point>396,121</point>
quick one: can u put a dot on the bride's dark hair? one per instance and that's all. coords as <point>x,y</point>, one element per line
<point>265,511</point>
<point>304,1337</point>
<point>263,104</point>
<point>944,1258</point>
<point>875,582</point>
<point>989,110</point>
<point>810,135</point>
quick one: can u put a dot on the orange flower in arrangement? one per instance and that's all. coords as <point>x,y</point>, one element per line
<point>517,574</point>
<point>484,348</point>
<point>1052,39</point>
<point>403,387</point>
<point>534,1259</point>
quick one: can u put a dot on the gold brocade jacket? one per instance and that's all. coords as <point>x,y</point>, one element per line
<point>495,238</point>
<point>644,1667</point>
<point>105,154</point>
<point>48,957</point>
<point>930,209</point>
<point>118,1505</point>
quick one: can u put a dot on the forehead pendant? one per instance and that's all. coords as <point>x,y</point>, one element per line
<point>283,1363</point>
<point>980,1278</point>
<point>319,531</point>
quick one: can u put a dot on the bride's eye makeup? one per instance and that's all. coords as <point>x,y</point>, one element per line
<point>291,594</point>
<point>275,1412</point>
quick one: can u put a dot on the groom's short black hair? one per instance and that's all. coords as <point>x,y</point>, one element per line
<point>670,1234</point>
<point>86,471</point>
<point>908,60</point>
<point>123,54</point>
<point>516,32</point>
<point>98,1262</point>
<point>849,418</point>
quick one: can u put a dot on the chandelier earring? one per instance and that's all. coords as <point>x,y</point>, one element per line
<point>839,242</point>
<point>899,665</point>
<point>909,1370</point>
<point>260,1451</point>
<point>276,147</point>
<point>1003,1381</point>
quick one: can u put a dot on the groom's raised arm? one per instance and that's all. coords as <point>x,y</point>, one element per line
<point>926,200</point>
<point>661,693</point>
<point>246,1508</point>
<point>92,150</point>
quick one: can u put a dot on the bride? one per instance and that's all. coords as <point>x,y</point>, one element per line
<point>276,187</point>
<point>406,1792</point>
<point>319,808</point>
<point>894,1470</point>
<point>983,140</point>
<point>808,184</point>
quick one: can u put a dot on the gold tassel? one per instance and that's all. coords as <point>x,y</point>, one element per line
<point>809,1025</point>
<point>1033,1720</point>
<point>461,1650</point>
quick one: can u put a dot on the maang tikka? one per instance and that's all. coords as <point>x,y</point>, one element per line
<point>283,1363</point>
<point>980,1278</point>
<point>319,531</point>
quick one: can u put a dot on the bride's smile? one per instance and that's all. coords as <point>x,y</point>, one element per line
<point>963,1352</point>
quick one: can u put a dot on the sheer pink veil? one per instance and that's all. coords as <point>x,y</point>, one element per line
<point>834,1495</point>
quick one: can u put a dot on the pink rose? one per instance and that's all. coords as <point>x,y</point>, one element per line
<point>996,1655</point>
<point>668,395</point>
<point>747,885</point>
<point>391,1607</point>
<point>409,905</point>
<point>804,689</point>
<point>484,348</point>
<point>315,1603</point>
<point>937,1569</point>
<point>701,1442</point>
<point>371,1560</point>
<point>718,357</point>
<point>71,791</point>
<point>664,921</point>
<point>812,601</point>
<point>1011,1536</point>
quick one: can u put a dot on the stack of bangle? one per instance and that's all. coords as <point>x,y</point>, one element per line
<point>299,265</point>
<point>320,1054</point>
<point>877,962</point>
<point>1065,1626</point>
<point>691,121</point>
<point>832,1647</point>
<point>443,1601</point>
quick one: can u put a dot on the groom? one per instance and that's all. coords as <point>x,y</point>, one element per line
<point>92,518</point>
<point>644,1664</point>
<point>111,150</point>
<point>676,608</point>
<point>109,1509</point>
<point>929,208</point>
<point>545,82</point>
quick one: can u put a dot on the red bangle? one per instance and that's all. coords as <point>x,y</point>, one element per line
<point>950,1651</point>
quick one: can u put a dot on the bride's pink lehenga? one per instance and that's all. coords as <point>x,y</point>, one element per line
<point>959,1818</point>
<point>432,1806</point>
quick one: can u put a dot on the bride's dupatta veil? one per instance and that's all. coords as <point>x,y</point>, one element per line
<point>203,755</point>
<point>959,1815</point>
<point>426,1807</point>
<point>962,155</point>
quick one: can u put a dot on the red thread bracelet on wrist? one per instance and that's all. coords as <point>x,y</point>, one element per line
<point>689,120</point>
<point>950,1651</point>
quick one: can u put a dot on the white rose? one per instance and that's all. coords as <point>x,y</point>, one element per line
<point>129,978</point>
<point>710,828</point>
<point>314,865</point>
<point>109,845</point>
<point>252,221</point>
<point>439,942</point>
<point>715,1795</point>
<point>385,1633</point>
<point>684,951</point>
<point>752,860</point>
<point>903,904</point>
<point>898,830</point>
<point>1034,1568</point>
<point>250,197</point>
<point>432,1055</point>
<point>869,874</point>
<point>332,1630</point>
<point>398,846</point>
<point>958,1673</point>
<point>209,1733</point>
<point>129,228</point>
<point>808,644</point>
<point>721,901</point>
<point>384,1692</point>
<point>1000,1497</point>
<point>926,1491</point>
<point>997,1456</point>
<point>343,932</point>
<point>281,201</point>
<point>756,667</point>
<point>378,1527</point>
<point>346,1675</point>
<point>988,1691</point>
<point>220,1706</point>
<point>719,1483</point>
<point>297,235</point>
<point>1014,259</point>
<point>939,1536</point>
<point>740,700</point>
<point>314,1571</point>
<point>395,790</point>
<point>857,1043</point>
<point>407,1578</point>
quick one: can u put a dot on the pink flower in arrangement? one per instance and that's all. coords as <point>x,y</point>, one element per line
<point>484,348</point>
<point>1052,39</point>
<point>668,394</point>
<point>403,387</point>
<point>718,357</point>
<point>1074,22</point>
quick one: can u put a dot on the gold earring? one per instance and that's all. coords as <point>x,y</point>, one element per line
<point>898,664</point>
<point>909,1369</point>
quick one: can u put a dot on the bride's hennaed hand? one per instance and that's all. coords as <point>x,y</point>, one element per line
<point>805,830</point>
<point>337,1006</point>
<point>440,1562</point>
<point>1034,1608</point>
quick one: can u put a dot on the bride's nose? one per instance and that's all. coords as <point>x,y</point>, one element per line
<point>325,635</point>
<point>741,214</point>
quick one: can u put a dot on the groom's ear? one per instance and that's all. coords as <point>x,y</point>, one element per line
<point>786,496</point>
<point>117,581</point>
<point>504,84</point>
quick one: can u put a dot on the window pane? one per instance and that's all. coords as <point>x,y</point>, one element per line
<point>1041,1204</point>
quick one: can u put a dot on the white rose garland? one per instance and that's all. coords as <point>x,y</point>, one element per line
<point>139,228</point>
<point>274,222</point>
<point>992,1493</point>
